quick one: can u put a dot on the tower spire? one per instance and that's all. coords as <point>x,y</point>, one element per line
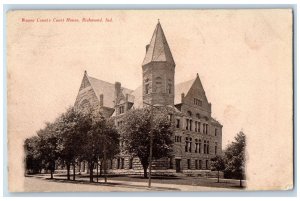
<point>158,49</point>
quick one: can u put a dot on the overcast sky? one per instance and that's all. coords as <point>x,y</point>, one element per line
<point>242,58</point>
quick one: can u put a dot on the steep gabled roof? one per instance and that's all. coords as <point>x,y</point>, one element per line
<point>158,49</point>
<point>180,88</point>
<point>107,89</point>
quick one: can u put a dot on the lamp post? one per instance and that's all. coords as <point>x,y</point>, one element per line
<point>151,139</point>
<point>151,143</point>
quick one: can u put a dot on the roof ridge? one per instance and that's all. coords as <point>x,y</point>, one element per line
<point>108,83</point>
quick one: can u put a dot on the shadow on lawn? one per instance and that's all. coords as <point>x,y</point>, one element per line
<point>115,184</point>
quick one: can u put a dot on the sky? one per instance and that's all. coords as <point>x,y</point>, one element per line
<point>243,58</point>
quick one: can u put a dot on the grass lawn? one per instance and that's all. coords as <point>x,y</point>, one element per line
<point>182,180</point>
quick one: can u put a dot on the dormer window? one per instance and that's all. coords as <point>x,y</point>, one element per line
<point>121,109</point>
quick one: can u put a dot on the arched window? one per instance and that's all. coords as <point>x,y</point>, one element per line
<point>189,113</point>
<point>158,84</point>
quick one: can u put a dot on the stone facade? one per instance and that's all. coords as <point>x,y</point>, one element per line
<point>197,136</point>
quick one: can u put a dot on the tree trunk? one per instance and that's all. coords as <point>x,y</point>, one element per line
<point>91,166</point>
<point>105,177</point>
<point>51,172</point>
<point>73,171</point>
<point>97,171</point>
<point>241,183</point>
<point>218,176</point>
<point>68,171</point>
<point>145,172</point>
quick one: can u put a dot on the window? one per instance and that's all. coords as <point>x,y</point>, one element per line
<point>216,132</point>
<point>118,163</point>
<point>216,148</point>
<point>200,164</point>
<point>196,164</point>
<point>177,123</point>
<point>121,109</point>
<point>177,138</point>
<point>122,163</point>
<point>170,163</point>
<point>200,145</point>
<point>205,147</point>
<point>189,113</point>
<point>196,143</point>
<point>186,144</point>
<point>158,83</point>
<point>170,117</point>
<point>196,126</point>
<point>169,88</point>
<point>199,126</point>
<point>187,124</point>
<point>191,123</point>
<point>189,163</point>
<point>206,164</point>
<point>205,128</point>
<point>198,102</point>
<point>147,88</point>
<point>130,163</point>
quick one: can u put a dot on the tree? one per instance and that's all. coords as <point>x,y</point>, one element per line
<point>217,164</point>
<point>49,146</point>
<point>71,126</point>
<point>33,160</point>
<point>101,141</point>
<point>136,130</point>
<point>235,158</point>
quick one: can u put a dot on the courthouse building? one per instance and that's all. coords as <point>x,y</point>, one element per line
<point>197,136</point>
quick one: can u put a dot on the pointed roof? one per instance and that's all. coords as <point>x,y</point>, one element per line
<point>180,88</point>
<point>184,87</point>
<point>158,49</point>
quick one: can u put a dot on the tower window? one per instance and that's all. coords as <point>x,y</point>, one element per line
<point>169,88</point>
<point>158,82</point>
<point>147,88</point>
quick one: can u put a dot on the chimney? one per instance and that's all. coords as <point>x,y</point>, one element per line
<point>101,100</point>
<point>117,91</point>
<point>147,46</point>
<point>182,97</point>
